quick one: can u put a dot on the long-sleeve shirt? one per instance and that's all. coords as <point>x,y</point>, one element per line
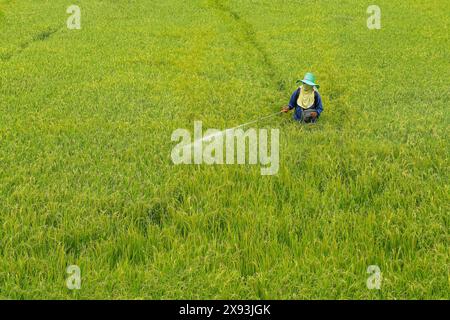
<point>317,101</point>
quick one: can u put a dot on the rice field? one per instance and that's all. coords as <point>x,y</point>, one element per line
<point>86,176</point>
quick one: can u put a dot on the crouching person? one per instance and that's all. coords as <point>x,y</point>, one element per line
<point>306,101</point>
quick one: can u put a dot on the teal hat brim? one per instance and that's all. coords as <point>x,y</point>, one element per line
<point>310,83</point>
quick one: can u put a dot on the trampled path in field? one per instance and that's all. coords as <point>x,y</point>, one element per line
<point>42,36</point>
<point>240,25</point>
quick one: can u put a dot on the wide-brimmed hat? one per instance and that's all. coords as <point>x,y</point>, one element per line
<point>309,79</point>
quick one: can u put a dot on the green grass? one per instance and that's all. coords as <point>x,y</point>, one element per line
<point>86,176</point>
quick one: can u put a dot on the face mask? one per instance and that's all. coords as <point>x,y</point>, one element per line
<point>306,97</point>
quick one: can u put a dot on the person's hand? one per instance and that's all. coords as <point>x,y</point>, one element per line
<point>285,109</point>
<point>314,115</point>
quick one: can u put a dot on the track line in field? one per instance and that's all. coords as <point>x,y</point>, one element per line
<point>41,36</point>
<point>249,33</point>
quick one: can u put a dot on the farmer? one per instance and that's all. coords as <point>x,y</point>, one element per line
<point>306,100</point>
